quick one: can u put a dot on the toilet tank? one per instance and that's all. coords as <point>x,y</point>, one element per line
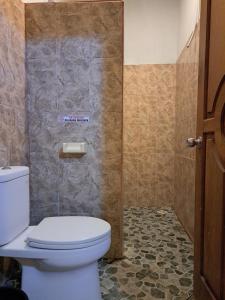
<point>14,202</point>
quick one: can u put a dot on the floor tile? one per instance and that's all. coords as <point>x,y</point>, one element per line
<point>158,259</point>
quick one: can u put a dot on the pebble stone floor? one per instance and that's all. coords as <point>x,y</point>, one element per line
<point>158,259</point>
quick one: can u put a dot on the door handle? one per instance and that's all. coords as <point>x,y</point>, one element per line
<point>192,142</point>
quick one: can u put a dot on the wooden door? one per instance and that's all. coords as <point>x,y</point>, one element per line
<point>209,274</point>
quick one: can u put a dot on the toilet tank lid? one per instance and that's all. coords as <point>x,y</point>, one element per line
<point>12,172</point>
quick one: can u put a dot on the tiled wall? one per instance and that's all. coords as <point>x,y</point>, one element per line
<point>149,134</point>
<point>186,117</point>
<point>13,137</point>
<point>74,67</point>
<point>12,84</point>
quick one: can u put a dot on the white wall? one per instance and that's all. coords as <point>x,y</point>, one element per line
<point>188,16</point>
<point>156,31</point>
<point>151,31</point>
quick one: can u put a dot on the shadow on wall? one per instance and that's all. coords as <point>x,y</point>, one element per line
<point>74,68</point>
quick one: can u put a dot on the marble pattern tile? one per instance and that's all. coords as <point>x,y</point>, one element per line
<point>149,134</point>
<point>185,192</point>
<point>74,67</point>
<point>13,125</point>
<point>130,179</point>
<point>158,259</point>
<point>186,120</point>
<point>42,21</point>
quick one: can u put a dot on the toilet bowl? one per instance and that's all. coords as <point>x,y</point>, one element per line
<point>59,256</point>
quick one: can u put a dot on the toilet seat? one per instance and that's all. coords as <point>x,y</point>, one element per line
<point>64,233</point>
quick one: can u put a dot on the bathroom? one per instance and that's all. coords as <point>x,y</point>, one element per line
<point>98,99</point>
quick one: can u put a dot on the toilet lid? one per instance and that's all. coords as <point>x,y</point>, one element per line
<point>68,233</point>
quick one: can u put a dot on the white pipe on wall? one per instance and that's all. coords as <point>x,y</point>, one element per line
<point>189,14</point>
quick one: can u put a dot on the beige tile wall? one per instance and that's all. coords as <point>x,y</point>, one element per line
<point>149,135</point>
<point>186,117</point>
<point>13,135</point>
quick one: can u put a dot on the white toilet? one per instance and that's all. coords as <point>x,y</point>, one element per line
<point>58,256</point>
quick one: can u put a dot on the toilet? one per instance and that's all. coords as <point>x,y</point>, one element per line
<point>59,256</point>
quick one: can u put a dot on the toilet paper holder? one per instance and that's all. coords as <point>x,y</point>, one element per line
<point>74,148</point>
